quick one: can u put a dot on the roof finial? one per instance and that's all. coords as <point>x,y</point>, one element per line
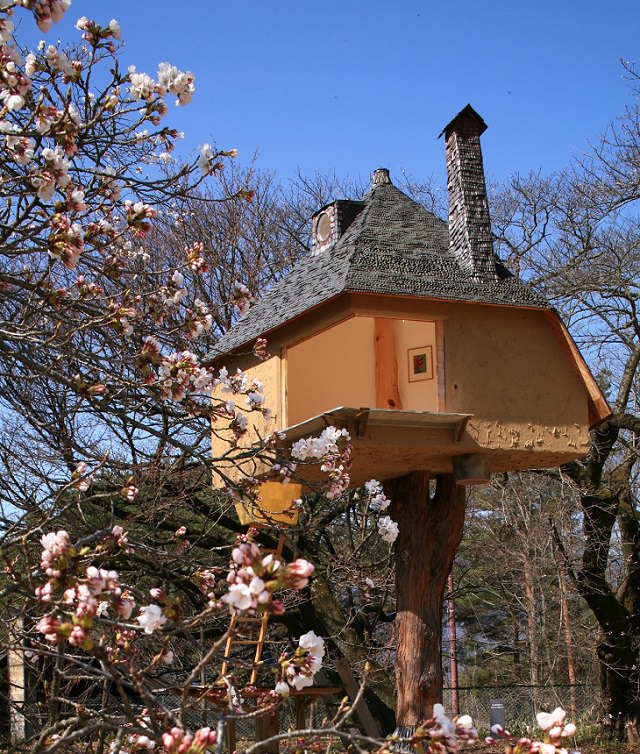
<point>380,177</point>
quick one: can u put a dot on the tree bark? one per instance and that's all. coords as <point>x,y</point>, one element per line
<point>430,530</point>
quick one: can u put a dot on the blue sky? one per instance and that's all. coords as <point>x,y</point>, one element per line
<point>350,86</point>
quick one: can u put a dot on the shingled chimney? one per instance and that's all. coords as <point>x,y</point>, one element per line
<point>470,239</point>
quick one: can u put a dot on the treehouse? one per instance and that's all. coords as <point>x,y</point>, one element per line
<point>416,338</point>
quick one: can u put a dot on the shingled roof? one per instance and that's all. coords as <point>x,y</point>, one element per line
<point>393,247</point>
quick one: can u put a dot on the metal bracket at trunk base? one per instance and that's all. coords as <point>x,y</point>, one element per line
<point>403,735</point>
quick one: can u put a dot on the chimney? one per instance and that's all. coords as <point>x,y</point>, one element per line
<point>470,239</point>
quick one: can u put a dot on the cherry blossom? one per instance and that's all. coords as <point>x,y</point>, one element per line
<point>151,618</point>
<point>300,669</point>
<point>553,727</point>
<point>195,259</point>
<point>205,161</point>
<point>129,491</point>
<point>176,741</point>
<point>242,297</point>
<point>299,573</point>
<point>377,499</point>
<point>319,447</point>
<point>47,11</point>
<point>56,550</point>
<point>80,474</point>
<point>171,80</point>
<point>388,529</point>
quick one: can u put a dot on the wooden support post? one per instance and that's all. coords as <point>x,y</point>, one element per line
<point>231,734</point>
<point>430,530</point>
<point>384,344</point>
<point>266,726</point>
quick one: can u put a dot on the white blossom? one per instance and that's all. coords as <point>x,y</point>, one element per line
<point>151,617</point>
<point>205,161</point>
<point>388,529</point>
<point>114,28</point>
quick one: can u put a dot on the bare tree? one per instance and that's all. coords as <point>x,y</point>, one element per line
<point>577,236</point>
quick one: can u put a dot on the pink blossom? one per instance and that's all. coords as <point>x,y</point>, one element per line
<point>194,256</point>
<point>56,546</point>
<point>307,660</point>
<point>22,147</point>
<point>242,297</point>
<point>377,499</point>
<point>6,29</point>
<point>47,11</point>
<point>82,483</point>
<point>239,597</point>
<point>299,572</point>
<point>260,349</point>
<point>114,28</point>
<point>171,80</point>
<point>79,637</point>
<point>124,605</point>
<point>66,240</point>
<point>129,491</point>
<point>48,626</point>
<point>177,742</point>
<point>142,86</point>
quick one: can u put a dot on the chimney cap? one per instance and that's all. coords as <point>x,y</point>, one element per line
<point>467,114</point>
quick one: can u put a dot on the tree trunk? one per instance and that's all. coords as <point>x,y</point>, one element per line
<point>532,608</point>
<point>430,530</point>
<point>620,630</point>
<point>568,637</point>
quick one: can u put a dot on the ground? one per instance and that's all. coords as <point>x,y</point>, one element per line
<point>595,748</point>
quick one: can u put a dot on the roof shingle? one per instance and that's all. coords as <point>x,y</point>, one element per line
<point>395,247</point>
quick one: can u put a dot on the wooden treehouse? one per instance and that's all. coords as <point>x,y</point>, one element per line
<point>441,364</point>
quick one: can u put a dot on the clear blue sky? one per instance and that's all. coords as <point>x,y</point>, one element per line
<point>353,85</point>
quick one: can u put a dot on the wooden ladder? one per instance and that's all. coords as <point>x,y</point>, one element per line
<point>247,631</point>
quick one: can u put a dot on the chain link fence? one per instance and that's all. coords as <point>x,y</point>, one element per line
<point>521,703</point>
<point>203,713</point>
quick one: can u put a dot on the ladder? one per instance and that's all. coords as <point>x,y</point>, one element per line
<point>246,632</point>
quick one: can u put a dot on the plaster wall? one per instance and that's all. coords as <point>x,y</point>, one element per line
<point>334,368</point>
<point>224,442</point>
<point>507,368</point>
<point>411,336</point>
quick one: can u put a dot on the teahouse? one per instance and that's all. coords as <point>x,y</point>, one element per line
<point>418,339</point>
<point>440,363</point>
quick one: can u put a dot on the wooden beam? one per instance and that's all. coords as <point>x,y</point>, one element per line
<point>599,409</point>
<point>367,721</point>
<point>387,393</point>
